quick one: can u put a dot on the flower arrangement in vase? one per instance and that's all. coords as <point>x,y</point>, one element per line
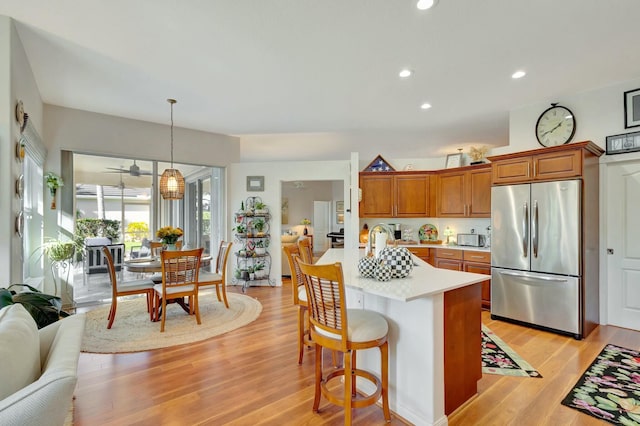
<point>305,222</point>
<point>169,235</point>
<point>53,183</point>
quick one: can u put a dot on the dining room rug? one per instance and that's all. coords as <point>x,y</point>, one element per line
<point>499,358</point>
<point>610,388</point>
<point>132,331</point>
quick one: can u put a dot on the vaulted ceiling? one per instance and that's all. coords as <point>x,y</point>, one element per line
<point>249,67</point>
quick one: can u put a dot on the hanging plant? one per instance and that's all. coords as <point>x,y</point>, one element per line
<point>53,183</point>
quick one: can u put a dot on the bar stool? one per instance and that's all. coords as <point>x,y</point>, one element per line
<point>299,298</point>
<point>347,331</point>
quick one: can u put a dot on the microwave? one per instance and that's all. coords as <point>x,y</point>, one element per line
<point>471,240</point>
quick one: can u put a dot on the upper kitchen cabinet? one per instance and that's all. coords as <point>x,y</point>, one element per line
<point>394,194</point>
<point>465,192</point>
<point>554,163</point>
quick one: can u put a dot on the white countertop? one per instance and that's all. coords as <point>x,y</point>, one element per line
<point>424,280</point>
<point>443,246</point>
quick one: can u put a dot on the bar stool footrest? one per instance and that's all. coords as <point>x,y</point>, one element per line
<point>358,401</point>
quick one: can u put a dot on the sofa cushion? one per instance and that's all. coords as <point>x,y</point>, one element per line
<point>20,349</point>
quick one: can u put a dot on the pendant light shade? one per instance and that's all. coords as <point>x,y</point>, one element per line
<point>171,181</point>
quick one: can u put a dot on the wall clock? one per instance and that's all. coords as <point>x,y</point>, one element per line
<point>556,126</point>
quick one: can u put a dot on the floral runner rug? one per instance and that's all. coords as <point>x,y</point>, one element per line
<point>499,358</point>
<point>610,388</point>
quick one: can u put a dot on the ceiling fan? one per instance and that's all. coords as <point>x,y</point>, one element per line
<point>133,170</point>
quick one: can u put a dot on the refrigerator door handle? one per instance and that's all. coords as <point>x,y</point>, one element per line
<point>534,229</point>
<point>537,278</point>
<point>525,229</point>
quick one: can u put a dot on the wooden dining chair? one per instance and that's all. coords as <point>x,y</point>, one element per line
<point>219,278</point>
<point>179,280</point>
<point>306,252</point>
<point>335,327</point>
<point>127,288</point>
<point>292,252</point>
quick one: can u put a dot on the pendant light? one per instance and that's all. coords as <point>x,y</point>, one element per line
<point>171,181</point>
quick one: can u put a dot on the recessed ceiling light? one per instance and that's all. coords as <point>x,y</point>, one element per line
<point>426,4</point>
<point>518,74</point>
<point>425,105</point>
<point>405,73</point>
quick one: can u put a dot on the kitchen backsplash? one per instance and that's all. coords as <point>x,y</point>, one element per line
<point>457,226</point>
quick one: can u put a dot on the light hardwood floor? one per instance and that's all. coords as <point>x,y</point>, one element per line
<point>250,376</point>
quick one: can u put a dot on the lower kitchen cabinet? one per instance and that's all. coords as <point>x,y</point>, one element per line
<point>478,262</point>
<point>448,259</point>
<point>424,253</point>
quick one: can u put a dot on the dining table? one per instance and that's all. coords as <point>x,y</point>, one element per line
<point>144,265</point>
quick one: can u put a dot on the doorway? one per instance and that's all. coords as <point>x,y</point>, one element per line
<point>623,244</point>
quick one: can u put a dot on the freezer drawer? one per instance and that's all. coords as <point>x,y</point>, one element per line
<point>551,301</point>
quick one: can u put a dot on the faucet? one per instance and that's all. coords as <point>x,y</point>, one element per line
<point>379,227</point>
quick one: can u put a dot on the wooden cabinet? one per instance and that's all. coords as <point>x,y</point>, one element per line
<point>401,194</point>
<point>465,192</point>
<point>448,259</point>
<point>462,346</point>
<point>424,253</point>
<point>555,163</point>
<point>479,262</point>
<point>377,195</point>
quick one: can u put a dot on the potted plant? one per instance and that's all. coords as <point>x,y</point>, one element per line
<point>261,247</point>
<point>259,270</point>
<point>60,254</point>
<point>259,225</point>
<point>240,229</point>
<point>53,183</point>
<point>252,273</point>
<point>261,208</point>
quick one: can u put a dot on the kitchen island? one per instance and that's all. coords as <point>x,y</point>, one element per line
<point>434,335</point>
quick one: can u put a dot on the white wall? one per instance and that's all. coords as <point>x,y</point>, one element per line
<point>274,174</point>
<point>599,113</point>
<point>16,83</point>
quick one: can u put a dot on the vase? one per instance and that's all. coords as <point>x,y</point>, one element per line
<point>53,200</point>
<point>170,247</point>
<point>306,231</point>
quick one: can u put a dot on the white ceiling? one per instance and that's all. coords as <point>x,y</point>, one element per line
<point>250,67</point>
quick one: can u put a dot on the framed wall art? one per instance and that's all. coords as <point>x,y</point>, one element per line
<point>453,160</point>
<point>627,142</point>
<point>339,212</point>
<point>255,183</point>
<point>632,108</point>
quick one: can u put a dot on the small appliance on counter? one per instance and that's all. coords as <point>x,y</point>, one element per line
<point>471,240</point>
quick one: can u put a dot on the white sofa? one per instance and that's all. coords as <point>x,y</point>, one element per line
<point>38,371</point>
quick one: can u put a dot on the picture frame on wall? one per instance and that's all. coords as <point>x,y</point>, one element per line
<point>453,160</point>
<point>620,144</point>
<point>339,212</point>
<point>632,108</point>
<point>255,183</point>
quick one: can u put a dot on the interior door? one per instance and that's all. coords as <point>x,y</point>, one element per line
<point>321,225</point>
<point>623,244</point>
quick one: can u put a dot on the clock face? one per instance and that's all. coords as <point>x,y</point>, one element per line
<point>555,126</point>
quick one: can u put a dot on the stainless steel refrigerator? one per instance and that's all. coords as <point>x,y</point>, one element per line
<point>537,255</point>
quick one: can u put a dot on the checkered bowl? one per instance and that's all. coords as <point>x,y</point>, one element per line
<point>383,272</point>
<point>367,266</point>
<point>398,259</point>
